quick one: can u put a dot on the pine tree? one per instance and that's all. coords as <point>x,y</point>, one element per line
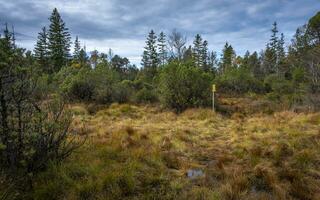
<point>58,41</point>
<point>228,57</point>
<point>197,50</point>
<point>150,59</point>
<point>280,49</point>
<point>83,58</point>
<point>212,60</point>
<point>77,48</point>
<point>6,48</point>
<point>145,62</point>
<point>162,48</point>
<point>41,50</point>
<point>274,53</point>
<point>255,65</point>
<point>274,37</point>
<point>204,56</point>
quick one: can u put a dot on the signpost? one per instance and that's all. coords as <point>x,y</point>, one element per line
<point>213,90</point>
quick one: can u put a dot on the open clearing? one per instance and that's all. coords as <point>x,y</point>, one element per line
<point>136,152</point>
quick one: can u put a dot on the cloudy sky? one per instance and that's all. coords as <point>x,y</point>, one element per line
<point>123,24</point>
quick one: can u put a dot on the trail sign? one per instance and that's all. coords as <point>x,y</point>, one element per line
<point>213,88</point>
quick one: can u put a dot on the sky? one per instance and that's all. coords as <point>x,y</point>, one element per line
<point>122,25</point>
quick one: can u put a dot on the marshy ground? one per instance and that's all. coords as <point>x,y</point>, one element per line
<point>143,152</point>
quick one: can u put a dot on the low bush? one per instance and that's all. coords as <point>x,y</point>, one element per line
<point>183,85</point>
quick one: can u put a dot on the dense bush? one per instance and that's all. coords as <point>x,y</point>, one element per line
<point>238,80</point>
<point>183,85</point>
<point>145,95</point>
<point>34,129</point>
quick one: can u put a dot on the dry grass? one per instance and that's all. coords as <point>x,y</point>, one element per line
<point>143,153</point>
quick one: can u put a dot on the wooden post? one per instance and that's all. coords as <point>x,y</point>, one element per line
<point>213,90</point>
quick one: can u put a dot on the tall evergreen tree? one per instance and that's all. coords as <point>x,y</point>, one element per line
<point>150,59</point>
<point>255,65</point>
<point>313,29</point>
<point>162,48</point>
<point>204,56</point>
<point>197,50</point>
<point>77,48</point>
<point>59,41</point>
<point>228,57</point>
<point>212,61</point>
<point>41,50</point>
<point>83,58</point>
<point>274,37</point>
<point>280,49</point>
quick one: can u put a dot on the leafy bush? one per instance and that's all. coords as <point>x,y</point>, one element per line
<point>183,85</point>
<point>239,81</point>
<point>145,95</point>
<point>81,90</point>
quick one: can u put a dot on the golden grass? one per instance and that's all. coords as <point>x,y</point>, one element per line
<point>141,152</point>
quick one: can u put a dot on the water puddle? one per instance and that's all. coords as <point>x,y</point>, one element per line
<point>194,173</point>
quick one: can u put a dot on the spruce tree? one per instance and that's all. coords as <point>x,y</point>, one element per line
<point>150,59</point>
<point>197,50</point>
<point>212,60</point>
<point>162,48</point>
<point>280,49</point>
<point>41,50</point>
<point>274,37</point>
<point>204,56</point>
<point>58,41</point>
<point>228,56</point>
<point>77,48</point>
<point>83,58</point>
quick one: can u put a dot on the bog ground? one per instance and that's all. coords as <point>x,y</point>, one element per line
<point>143,152</point>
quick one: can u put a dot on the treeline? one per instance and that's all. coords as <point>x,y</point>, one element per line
<point>177,75</point>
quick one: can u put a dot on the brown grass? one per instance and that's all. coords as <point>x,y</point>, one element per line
<point>261,156</point>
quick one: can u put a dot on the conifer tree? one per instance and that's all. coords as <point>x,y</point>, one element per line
<point>162,48</point>
<point>204,56</point>
<point>41,50</point>
<point>212,60</point>
<point>150,59</point>
<point>77,48</point>
<point>197,50</point>
<point>58,41</point>
<point>228,56</point>
<point>83,58</point>
<point>280,49</point>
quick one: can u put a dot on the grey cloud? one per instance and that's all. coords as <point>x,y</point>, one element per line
<point>245,23</point>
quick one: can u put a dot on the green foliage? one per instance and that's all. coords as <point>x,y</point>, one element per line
<point>228,57</point>
<point>314,28</point>
<point>58,42</point>
<point>239,81</point>
<point>34,129</point>
<point>145,95</point>
<point>183,85</point>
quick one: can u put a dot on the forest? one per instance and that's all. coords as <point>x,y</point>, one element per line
<point>90,125</point>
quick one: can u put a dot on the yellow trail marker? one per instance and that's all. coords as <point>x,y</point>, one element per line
<point>213,90</point>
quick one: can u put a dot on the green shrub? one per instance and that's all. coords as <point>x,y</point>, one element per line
<point>239,81</point>
<point>81,90</point>
<point>183,85</point>
<point>145,95</point>
<point>122,92</point>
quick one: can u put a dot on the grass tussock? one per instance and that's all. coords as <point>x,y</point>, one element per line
<point>142,152</point>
